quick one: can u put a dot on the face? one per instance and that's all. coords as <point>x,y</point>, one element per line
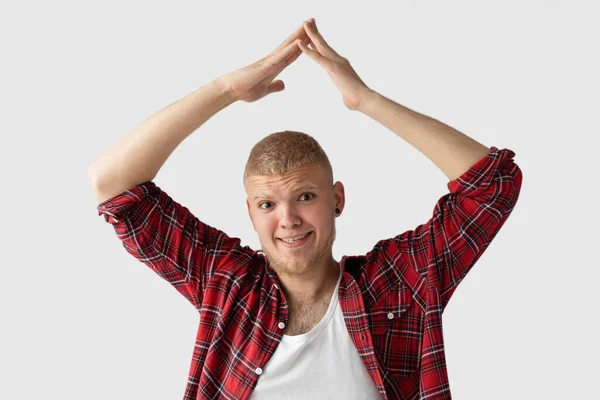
<point>291,205</point>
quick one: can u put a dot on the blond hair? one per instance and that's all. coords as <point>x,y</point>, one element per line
<point>284,151</point>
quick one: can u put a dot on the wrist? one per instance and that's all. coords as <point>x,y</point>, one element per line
<point>224,89</point>
<point>369,97</point>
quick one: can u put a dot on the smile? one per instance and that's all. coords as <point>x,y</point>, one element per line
<point>297,243</point>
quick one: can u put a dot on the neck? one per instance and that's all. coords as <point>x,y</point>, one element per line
<point>313,286</point>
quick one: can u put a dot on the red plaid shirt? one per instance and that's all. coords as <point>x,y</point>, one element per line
<point>392,298</point>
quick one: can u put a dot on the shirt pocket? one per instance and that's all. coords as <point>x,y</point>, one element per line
<point>388,309</point>
<point>397,330</point>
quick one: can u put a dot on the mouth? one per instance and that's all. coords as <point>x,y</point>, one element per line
<point>297,243</point>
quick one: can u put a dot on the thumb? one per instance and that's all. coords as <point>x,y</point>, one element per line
<point>276,86</point>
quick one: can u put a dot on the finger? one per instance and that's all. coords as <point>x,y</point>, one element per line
<point>269,72</point>
<point>300,32</point>
<point>278,59</point>
<point>315,55</point>
<point>276,86</point>
<point>319,41</point>
<point>297,53</point>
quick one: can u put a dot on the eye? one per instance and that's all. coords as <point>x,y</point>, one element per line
<point>312,196</point>
<point>261,204</point>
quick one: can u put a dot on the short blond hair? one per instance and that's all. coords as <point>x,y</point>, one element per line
<point>284,151</point>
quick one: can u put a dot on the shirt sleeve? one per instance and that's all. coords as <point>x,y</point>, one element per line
<point>464,222</point>
<point>169,239</point>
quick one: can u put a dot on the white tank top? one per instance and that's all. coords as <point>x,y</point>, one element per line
<point>320,364</point>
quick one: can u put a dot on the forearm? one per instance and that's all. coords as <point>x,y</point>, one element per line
<point>452,151</point>
<point>138,157</point>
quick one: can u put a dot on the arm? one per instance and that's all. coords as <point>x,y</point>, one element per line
<point>483,189</point>
<point>452,151</point>
<point>170,240</point>
<point>153,227</point>
<point>464,222</point>
<point>484,183</point>
<point>138,157</point>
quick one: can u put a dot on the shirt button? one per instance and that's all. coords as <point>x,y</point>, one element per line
<point>258,371</point>
<point>390,315</point>
<point>281,325</point>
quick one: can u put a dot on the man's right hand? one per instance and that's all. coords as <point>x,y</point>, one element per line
<point>256,80</point>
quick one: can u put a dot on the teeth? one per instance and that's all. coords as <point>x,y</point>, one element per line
<point>295,239</point>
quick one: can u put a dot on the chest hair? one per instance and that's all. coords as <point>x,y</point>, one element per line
<point>304,317</point>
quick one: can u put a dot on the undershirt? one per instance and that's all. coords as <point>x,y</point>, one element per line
<point>320,364</point>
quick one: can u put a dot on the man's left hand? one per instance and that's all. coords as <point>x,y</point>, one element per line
<point>353,89</point>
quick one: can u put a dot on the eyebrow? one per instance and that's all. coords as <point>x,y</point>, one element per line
<point>310,186</point>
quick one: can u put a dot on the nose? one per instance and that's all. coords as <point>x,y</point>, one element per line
<point>289,218</point>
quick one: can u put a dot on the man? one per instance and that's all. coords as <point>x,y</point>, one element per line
<point>289,321</point>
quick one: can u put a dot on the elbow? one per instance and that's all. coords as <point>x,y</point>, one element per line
<point>93,175</point>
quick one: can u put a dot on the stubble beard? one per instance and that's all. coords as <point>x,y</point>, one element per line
<point>304,261</point>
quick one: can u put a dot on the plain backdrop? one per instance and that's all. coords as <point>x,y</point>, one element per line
<point>83,319</point>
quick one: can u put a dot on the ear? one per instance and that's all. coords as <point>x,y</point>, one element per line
<point>250,214</point>
<point>339,196</point>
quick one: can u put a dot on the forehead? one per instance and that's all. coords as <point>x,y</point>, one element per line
<point>310,176</point>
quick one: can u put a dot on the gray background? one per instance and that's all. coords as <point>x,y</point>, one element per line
<point>82,319</point>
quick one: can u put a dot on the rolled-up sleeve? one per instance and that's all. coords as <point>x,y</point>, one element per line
<point>464,222</point>
<point>115,209</point>
<point>169,239</point>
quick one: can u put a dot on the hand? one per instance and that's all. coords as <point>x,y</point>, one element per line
<point>339,69</point>
<point>255,81</point>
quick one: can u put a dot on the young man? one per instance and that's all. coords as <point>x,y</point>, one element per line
<point>289,320</point>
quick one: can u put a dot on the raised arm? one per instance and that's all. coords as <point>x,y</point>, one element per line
<point>484,183</point>
<point>463,224</point>
<point>168,238</point>
<point>452,151</point>
<point>483,190</point>
<point>138,157</point>
<point>153,227</point>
